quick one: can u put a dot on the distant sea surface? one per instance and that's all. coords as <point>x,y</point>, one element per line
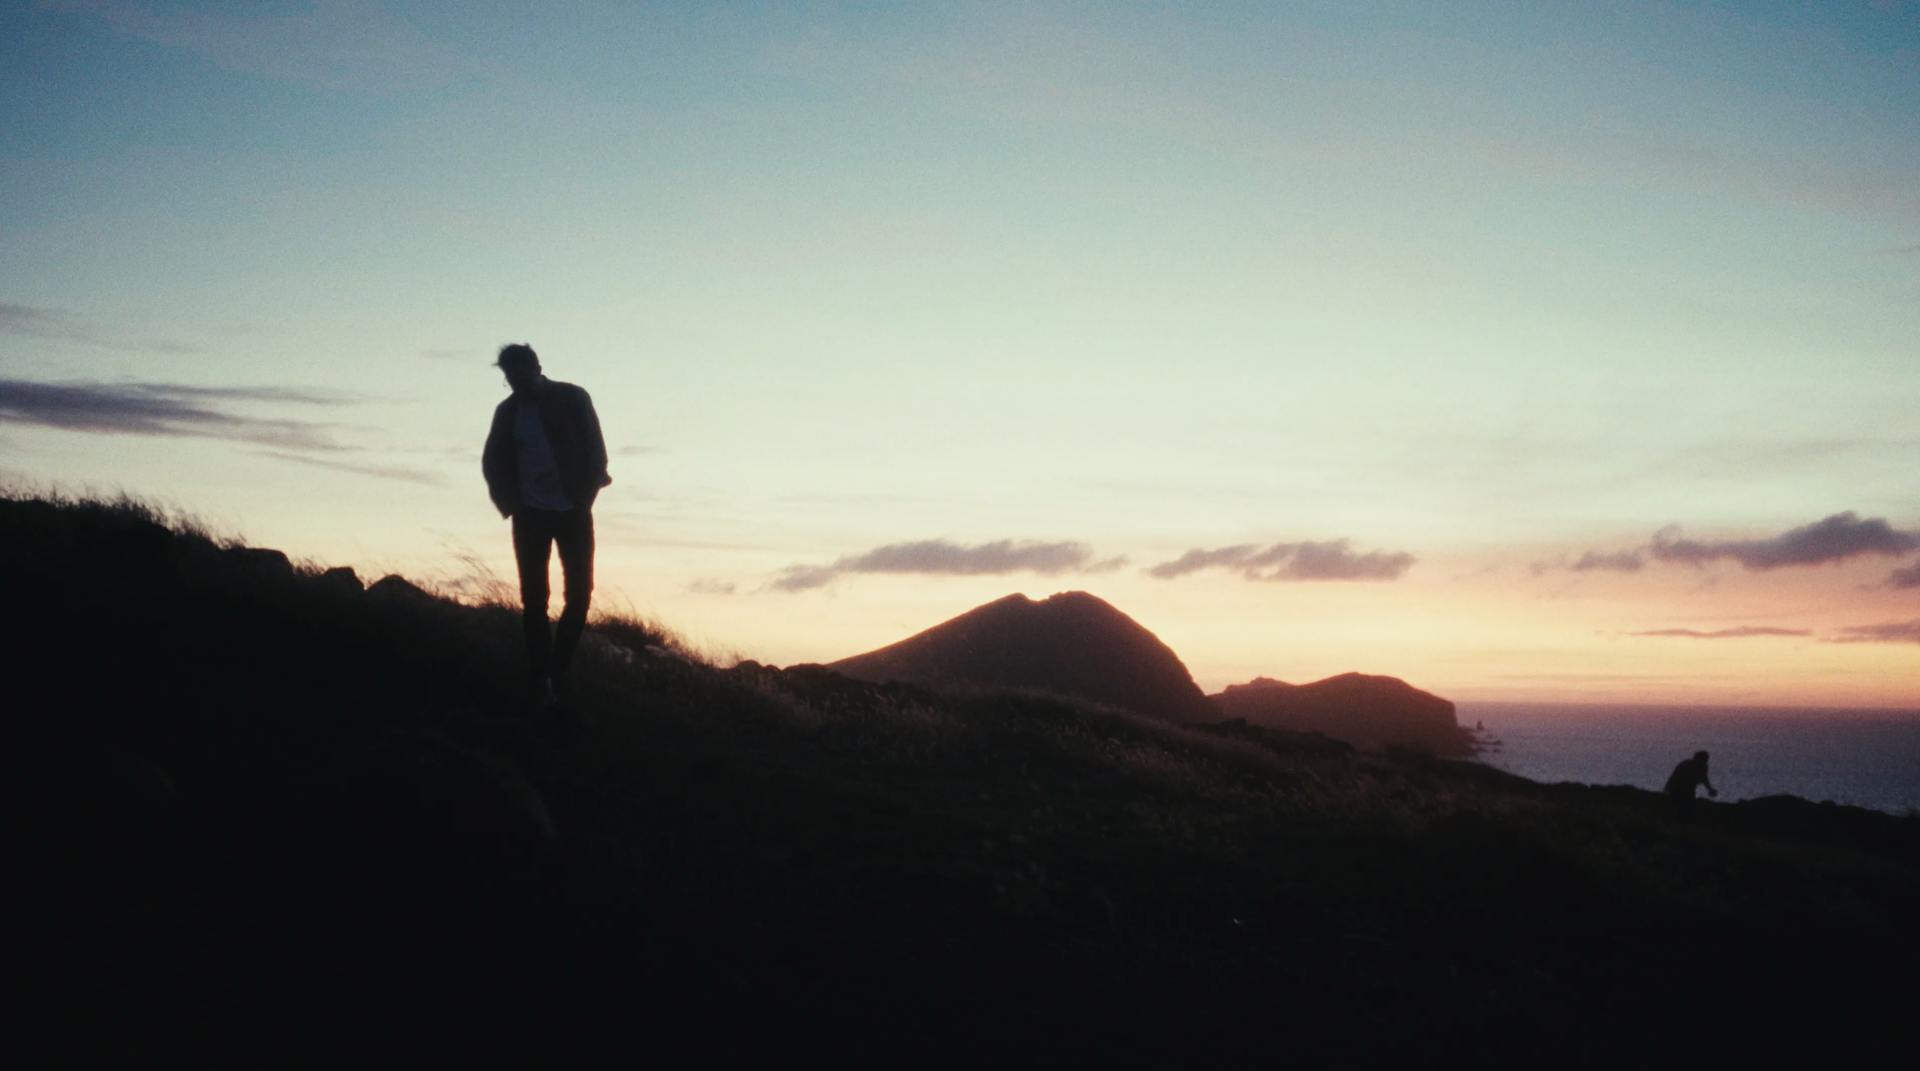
<point>1869,758</point>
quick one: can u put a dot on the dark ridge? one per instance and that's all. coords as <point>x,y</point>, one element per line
<point>262,813</point>
<point>1071,644</point>
<point>1362,709</point>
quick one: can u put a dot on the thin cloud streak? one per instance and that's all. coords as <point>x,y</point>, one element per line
<point>384,472</point>
<point>1890,632</point>
<point>1625,561</point>
<point>939,557</point>
<point>164,409</point>
<point>290,395</point>
<point>1741,633</point>
<point>36,322</point>
<point>1905,578</point>
<point>52,325</point>
<point>1306,560</point>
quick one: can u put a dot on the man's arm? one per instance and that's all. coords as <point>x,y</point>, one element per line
<point>493,459</point>
<point>596,442</point>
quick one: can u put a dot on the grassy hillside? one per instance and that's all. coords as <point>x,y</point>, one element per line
<point>264,802</point>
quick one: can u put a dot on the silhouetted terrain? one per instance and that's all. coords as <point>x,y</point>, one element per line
<point>1079,647</point>
<point>1361,709</point>
<point>270,813</point>
<point>1071,644</point>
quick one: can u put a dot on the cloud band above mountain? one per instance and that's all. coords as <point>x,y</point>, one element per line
<point>939,557</point>
<point>1833,539</point>
<point>1838,538</point>
<point>1328,560</point>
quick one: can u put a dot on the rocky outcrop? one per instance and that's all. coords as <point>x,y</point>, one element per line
<point>341,578</point>
<point>1361,709</point>
<point>398,589</point>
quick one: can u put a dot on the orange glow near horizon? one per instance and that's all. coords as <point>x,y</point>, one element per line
<point>1518,638</point>
<point>1473,627</point>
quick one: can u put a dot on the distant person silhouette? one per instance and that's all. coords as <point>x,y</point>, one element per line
<point>545,462</point>
<point>1681,783</point>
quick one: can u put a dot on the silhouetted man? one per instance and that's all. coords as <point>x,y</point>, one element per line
<point>1690,773</point>
<point>545,462</point>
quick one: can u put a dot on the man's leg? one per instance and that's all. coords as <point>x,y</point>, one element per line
<point>532,546</point>
<point>574,534</point>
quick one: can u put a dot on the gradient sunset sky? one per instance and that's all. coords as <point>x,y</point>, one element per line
<point>1552,351</point>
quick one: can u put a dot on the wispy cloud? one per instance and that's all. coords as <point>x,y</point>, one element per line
<point>354,45</point>
<point>1593,561</point>
<point>168,409</point>
<point>1905,578</point>
<point>1625,561</point>
<point>1741,633</point>
<point>938,557</point>
<point>1328,560</point>
<point>711,586</point>
<point>34,321</point>
<point>384,472</point>
<point>37,322</point>
<point>1833,539</point>
<point>1890,632</point>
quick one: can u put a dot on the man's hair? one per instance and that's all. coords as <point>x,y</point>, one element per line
<point>517,353</point>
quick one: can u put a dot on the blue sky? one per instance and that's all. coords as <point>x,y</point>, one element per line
<point>1487,285</point>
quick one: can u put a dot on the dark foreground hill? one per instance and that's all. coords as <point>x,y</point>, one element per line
<point>268,815</point>
<point>1359,708</point>
<point>1070,644</point>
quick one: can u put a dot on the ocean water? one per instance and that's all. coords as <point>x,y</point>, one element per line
<point>1865,758</point>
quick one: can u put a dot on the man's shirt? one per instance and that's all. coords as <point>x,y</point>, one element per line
<point>540,486</point>
<point>545,450</point>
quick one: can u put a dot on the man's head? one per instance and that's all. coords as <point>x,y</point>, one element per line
<point>1700,757</point>
<point>520,365</point>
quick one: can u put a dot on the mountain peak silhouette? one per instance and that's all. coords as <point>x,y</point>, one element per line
<point>1073,643</point>
<point>1366,709</point>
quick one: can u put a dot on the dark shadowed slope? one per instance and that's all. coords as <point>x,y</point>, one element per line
<point>1071,644</point>
<point>268,810</point>
<point>1359,708</point>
